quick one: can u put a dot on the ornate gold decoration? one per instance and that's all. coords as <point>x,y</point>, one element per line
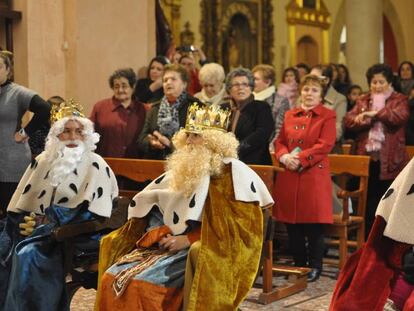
<point>217,17</point>
<point>69,108</point>
<point>297,13</point>
<point>204,118</point>
<point>308,13</point>
<point>187,36</point>
<point>172,11</point>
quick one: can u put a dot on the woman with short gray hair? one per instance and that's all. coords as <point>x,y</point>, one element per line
<point>252,120</point>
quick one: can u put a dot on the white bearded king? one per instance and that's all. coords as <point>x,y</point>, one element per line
<point>66,184</point>
<point>67,176</point>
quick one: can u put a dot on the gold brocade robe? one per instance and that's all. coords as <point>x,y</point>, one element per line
<point>228,259</point>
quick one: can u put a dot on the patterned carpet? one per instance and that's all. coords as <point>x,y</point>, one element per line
<point>316,297</point>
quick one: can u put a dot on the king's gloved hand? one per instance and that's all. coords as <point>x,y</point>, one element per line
<point>28,225</point>
<point>408,266</point>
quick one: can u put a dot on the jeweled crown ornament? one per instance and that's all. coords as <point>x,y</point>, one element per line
<point>204,118</point>
<point>70,108</point>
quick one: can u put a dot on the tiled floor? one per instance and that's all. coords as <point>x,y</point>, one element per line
<point>316,297</point>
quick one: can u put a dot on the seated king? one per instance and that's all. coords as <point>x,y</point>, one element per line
<point>194,235</point>
<point>67,183</point>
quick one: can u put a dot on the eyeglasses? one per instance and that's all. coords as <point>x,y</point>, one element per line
<point>240,85</point>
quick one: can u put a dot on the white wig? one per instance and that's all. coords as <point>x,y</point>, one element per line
<point>88,131</point>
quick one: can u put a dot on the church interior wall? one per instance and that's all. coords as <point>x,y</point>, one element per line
<point>2,33</point>
<point>281,50</point>
<point>75,45</point>
<point>400,15</point>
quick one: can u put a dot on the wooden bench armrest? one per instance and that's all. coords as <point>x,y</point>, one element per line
<point>72,230</point>
<point>117,219</point>
<point>344,194</point>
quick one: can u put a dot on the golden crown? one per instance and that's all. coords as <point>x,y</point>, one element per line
<point>69,108</point>
<point>202,118</point>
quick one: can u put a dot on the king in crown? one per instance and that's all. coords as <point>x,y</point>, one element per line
<point>201,118</point>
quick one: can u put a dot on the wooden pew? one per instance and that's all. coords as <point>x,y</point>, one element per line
<point>135,169</point>
<point>344,223</point>
<point>410,151</point>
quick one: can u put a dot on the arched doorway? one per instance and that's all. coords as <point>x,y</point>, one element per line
<point>307,51</point>
<point>390,46</point>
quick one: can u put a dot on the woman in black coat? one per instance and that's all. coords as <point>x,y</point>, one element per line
<point>252,121</point>
<point>149,90</point>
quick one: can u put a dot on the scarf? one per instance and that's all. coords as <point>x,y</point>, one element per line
<point>266,93</point>
<point>376,133</point>
<point>213,100</point>
<point>168,119</point>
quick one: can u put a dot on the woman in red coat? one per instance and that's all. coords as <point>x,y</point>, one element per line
<point>378,119</point>
<point>304,191</point>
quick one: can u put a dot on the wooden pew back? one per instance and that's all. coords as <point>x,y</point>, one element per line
<point>142,170</point>
<point>137,170</point>
<point>410,151</point>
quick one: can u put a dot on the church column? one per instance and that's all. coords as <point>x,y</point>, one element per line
<point>364,37</point>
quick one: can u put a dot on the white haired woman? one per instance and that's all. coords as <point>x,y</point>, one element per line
<point>211,78</point>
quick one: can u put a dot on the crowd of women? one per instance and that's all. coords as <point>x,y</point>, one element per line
<point>300,121</point>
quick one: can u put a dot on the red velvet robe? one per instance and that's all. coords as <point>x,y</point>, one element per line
<point>369,274</point>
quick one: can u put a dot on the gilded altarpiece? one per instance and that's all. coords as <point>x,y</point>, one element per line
<point>237,33</point>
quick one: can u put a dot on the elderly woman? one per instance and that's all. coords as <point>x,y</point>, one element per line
<point>304,190</point>
<point>252,121</point>
<point>378,120</point>
<point>15,153</point>
<point>119,119</point>
<point>211,78</point>
<point>149,90</point>
<point>167,116</point>
<point>264,89</point>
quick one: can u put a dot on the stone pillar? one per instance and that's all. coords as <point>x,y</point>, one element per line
<point>364,37</point>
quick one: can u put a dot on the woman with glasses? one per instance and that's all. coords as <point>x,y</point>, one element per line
<point>119,119</point>
<point>252,120</point>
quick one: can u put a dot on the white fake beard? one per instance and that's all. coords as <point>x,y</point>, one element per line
<point>66,161</point>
